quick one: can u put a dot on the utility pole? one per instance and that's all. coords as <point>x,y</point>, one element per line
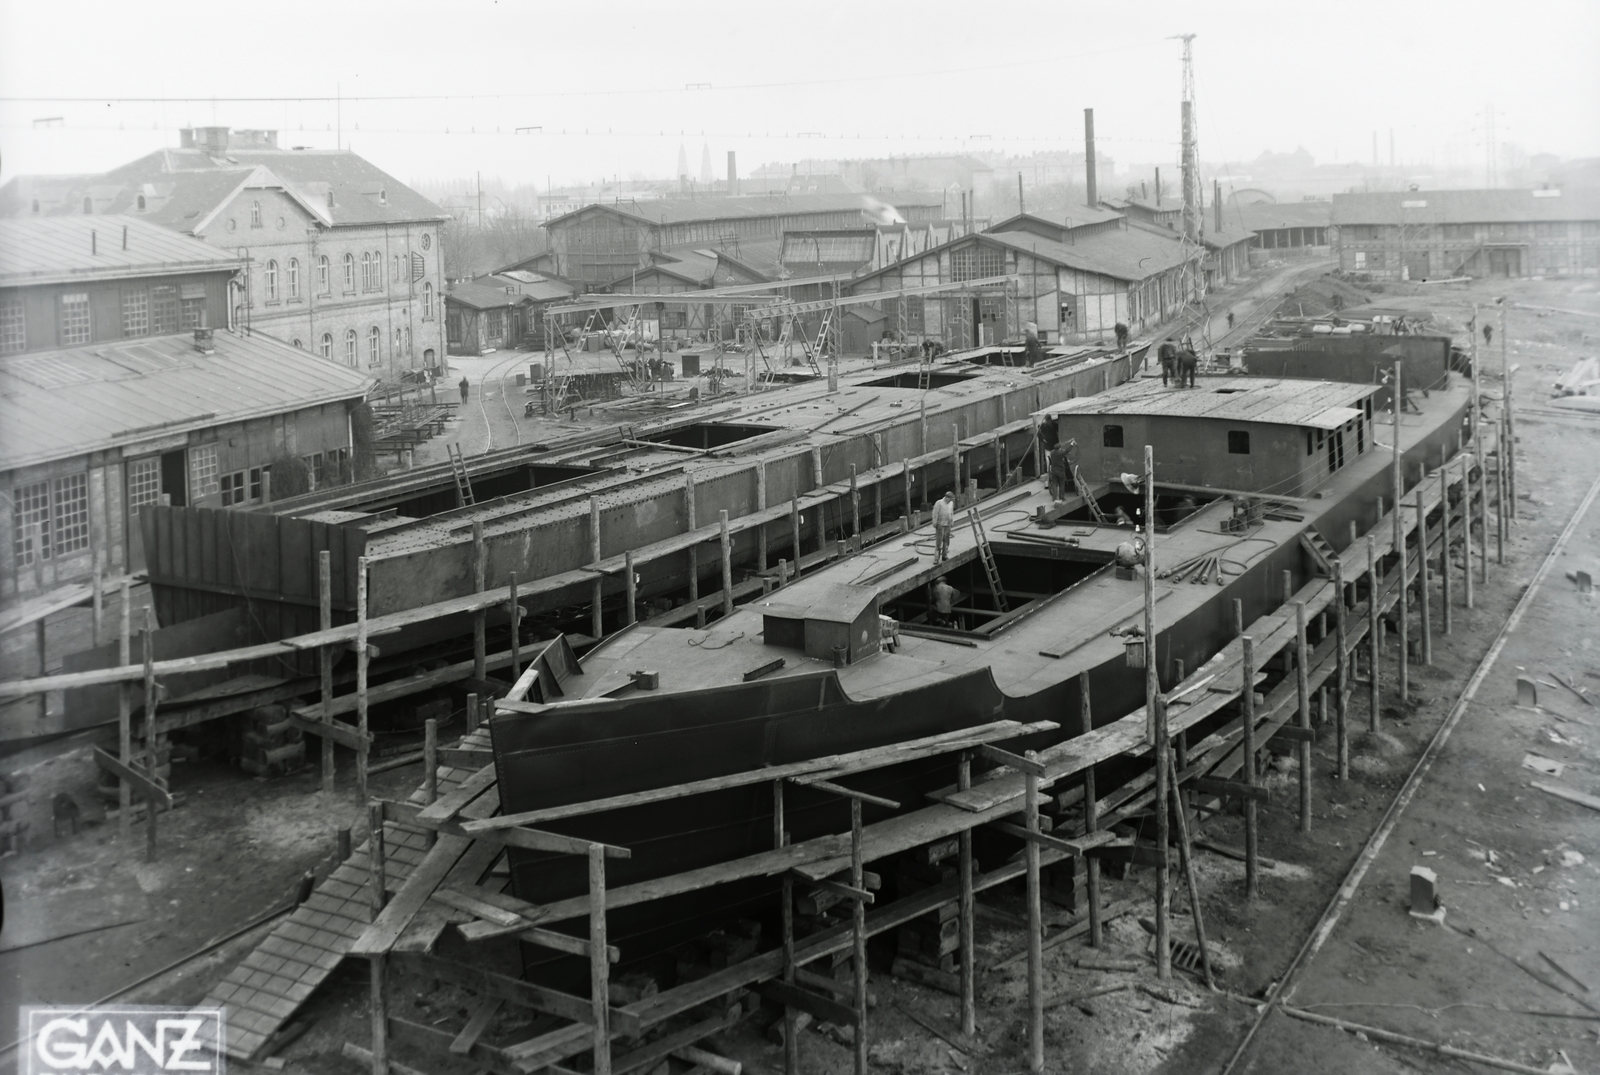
<point>480,201</point>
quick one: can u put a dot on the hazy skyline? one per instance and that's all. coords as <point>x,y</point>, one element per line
<point>435,92</point>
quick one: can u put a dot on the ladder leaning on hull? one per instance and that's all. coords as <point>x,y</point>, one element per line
<point>458,470</point>
<point>991,570</point>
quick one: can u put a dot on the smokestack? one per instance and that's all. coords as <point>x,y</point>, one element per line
<point>1216,201</point>
<point>964,228</point>
<point>1158,188</point>
<point>733,174</point>
<point>1021,206</point>
<point>1088,155</point>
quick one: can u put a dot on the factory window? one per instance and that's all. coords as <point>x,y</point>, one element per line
<point>30,523</point>
<point>395,268</point>
<point>427,302</point>
<point>327,346</point>
<point>377,271</point>
<point>135,313</point>
<point>193,313</point>
<point>144,483</point>
<point>350,348</point>
<point>202,470</point>
<point>255,214</point>
<point>163,310</point>
<point>232,486</point>
<point>1238,442</point>
<point>1111,437</point>
<point>496,325</point>
<point>1310,443</point>
<point>349,273</point>
<point>374,346</point>
<point>976,262</point>
<point>452,328</point>
<point>13,327</point>
<point>322,274</point>
<point>255,481</point>
<point>74,318</point>
<point>1361,260</point>
<point>915,314</point>
<point>272,281</point>
<point>294,278</point>
<point>69,509</point>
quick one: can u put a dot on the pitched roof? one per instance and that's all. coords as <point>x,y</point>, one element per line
<point>1241,399</point>
<point>1465,206</point>
<point>1230,235</point>
<point>696,210</point>
<point>1266,216</point>
<point>64,403</point>
<point>1134,254</point>
<point>534,286</point>
<point>483,296</point>
<point>1076,217</point>
<point>362,192</point>
<point>56,249</point>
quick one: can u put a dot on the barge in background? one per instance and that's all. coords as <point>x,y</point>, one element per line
<point>801,673</point>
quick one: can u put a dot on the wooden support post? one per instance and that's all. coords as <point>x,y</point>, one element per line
<point>325,661</point>
<point>148,643</point>
<point>1035,922</point>
<point>1444,544</point>
<point>514,608</point>
<point>816,467</point>
<point>761,505</point>
<point>1508,392</point>
<point>1374,636</point>
<point>378,863</point>
<point>999,462</point>
<point>858,953</point>
<point>430,767</point>
<point>1152,683</point>
<point>380,1016</point>
<point>877,486</point>
<point>363,660</point>
<point>1466,531</point>
<point>124,712</point>
<point>1403,607</point>
<point>1341,673</point>
<point>727,566</point>
<point>97,604</point>
<point>1302,684</point>
<point>631,584</point>
<point>377,893</point>
<point>1238,616</point>
<point>39,646</point>
<point>599,963</point>
<point>1500,507</point>
<point>968,910</point>
<point>922,423</point>
<point>480,579</point>
<point>598,616</point>
<point>791,1029</point>
<point>1186,853</point>
<point>1424,579</point>
<point>1163,844</point>
<point>905,482</point>
<point>1247,700</point>
<point>955,460</point>
<point>694,550</point>
<point>855,504</point>
<point>472,713</point>
<point>1091,814</point>
<point>794,526</point>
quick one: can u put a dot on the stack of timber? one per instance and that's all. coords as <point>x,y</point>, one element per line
<point>270,744</point>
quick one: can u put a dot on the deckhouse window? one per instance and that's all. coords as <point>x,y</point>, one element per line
<point>1111,437</point>
<point>1238,442</point>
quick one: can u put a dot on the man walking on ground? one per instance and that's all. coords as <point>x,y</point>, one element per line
<point>944,518</point>
<point>464,386</point>
<point>1230,320</point>
<point>1122,336</point>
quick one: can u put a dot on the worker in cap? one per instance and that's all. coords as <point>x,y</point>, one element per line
<point>944,517</point>
<point>464,386</point>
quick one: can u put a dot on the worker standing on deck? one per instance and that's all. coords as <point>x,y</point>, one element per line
<point>945,597</point>
<point>1061,470</point>
<point>1168,353</point>
<point>1122,336</point>
<point>944,517</point>
<point>1031,346</point>
<point>464,386</point>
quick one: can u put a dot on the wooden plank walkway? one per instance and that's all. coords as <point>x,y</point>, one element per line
<point>268,986</point>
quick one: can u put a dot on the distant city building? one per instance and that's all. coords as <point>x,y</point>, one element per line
<point>1425,234</point>
<point>1281,227</point>
<point>342,259</point>
<point>123,383</point>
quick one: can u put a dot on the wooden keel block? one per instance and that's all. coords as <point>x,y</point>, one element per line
<point>1527,693</point>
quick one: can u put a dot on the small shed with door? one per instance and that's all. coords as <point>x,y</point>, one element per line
<point>1246,434</point>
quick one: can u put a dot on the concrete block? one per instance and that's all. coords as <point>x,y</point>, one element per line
<point>1425,895</point>
<point>1527,692</point>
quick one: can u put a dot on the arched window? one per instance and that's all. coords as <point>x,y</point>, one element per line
<point>427,301</point>
<point>294,278</point>
<point>322,274</point>
<point>255,214</point>
<point>366,272</point>
<point>350,347</point>
<point>383,196</point>
<point>377,270</point>
<point>88,205</point>
<point>374,346</point>
<point>408,340</point>
<point>396,275</point>
<point>272,281</point>
<point>327,346</point>
<point>141,203</point>
<point>349,272</point>
<point>330,198</point>
<point>299,345</point>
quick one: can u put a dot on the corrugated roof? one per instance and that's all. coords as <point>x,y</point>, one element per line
<point>1265,216</point>
<point>65,403</point>
<point>1239,399</point>
<point>695,210</point>
<point>53,249</point>
<point>363,193</point>
<point>1465,206</point>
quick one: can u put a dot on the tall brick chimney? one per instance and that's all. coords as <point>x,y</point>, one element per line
<point>733,174</point>
<point>1088,157</point>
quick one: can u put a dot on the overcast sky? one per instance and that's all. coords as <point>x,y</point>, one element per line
<point>610,84</point>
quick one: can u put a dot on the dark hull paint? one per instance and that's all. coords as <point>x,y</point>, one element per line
<point>643,741</point>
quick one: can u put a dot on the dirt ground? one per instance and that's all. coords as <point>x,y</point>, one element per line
<point>1517,867</point>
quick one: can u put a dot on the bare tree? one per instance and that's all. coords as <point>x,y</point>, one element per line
<point>512,235</point>
<point>460,249</point>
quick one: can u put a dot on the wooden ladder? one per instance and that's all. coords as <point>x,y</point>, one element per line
<point>925,374</point>
<point>990,569</point>
<point>1322,554</point>
<point>458,470</point>
<point>1088,497</point>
